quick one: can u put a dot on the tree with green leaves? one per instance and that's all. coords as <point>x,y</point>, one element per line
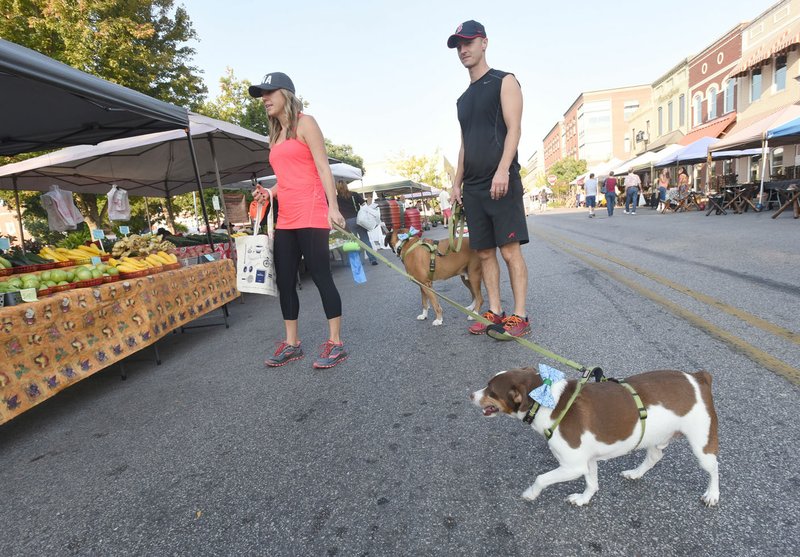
<point>420,168</point>
<point>141,44</point>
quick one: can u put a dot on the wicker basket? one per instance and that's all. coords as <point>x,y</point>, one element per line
<point>173,266</point>
<point>110,278</point>
<point>24,269</point>
<point>5,272</point>
<point>88,283</point>
<point>135,274</point>
<point>60,264</point>
<point>46,266</point>
<point>62,287</point>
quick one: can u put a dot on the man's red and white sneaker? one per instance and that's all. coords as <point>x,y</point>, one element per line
<point>479,328</point>
<point>512,326</point>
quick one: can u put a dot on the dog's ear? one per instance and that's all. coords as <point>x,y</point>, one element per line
<point>519,395</point>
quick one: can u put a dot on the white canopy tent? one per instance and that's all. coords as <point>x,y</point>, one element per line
<point>153,165</point>
<point>647,159</point>
<point>386,184</point>
<point>340,171</point>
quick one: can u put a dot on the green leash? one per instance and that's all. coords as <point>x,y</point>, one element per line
<point>524,342</point>
<point>585,372</point>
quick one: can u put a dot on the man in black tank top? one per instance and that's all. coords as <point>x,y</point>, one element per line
<point>487,181</point>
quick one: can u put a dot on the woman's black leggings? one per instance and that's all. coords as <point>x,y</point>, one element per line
<point>312,245</point>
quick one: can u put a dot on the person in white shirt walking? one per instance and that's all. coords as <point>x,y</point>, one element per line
<point>591,193</point>
<point>445,206</point>
<point>633,185</point>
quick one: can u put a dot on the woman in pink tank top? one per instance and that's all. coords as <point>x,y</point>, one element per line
<point>307,210</point>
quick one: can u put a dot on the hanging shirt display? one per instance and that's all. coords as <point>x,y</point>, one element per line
<point>118,206</point>
<point>62,214</point>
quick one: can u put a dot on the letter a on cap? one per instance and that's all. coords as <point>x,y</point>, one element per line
<point>269,79</point>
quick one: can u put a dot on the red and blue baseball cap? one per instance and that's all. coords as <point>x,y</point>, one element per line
<point>467,30</point>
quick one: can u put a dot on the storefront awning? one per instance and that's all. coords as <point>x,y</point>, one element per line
<point>750,133</point>
<point>710,129</point>
<point>668,139</point>
<point>780,45</point>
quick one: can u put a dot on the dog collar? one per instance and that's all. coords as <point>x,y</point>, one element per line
<point>531,414</point>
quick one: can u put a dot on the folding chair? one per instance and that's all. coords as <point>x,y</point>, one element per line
<point>715,203</point>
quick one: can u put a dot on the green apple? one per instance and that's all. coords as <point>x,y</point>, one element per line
<point>62,283</point>
<point>96,273</point>
<point>113,271</point>
<point>83,274</point>
<point>45,275</point>
<point>16,282</point>
<point>57,275</point>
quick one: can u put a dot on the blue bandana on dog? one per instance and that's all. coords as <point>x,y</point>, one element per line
<point>544,393</point>
<point>411,232</point>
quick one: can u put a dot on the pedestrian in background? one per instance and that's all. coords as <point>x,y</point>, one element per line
<point>308,211</point>
<point>490,114</point>
<point>632,189</point>
<point>663,184</point>
<point>445,206</point>
<point>591,193</point>
<point>610,187</point>
<point>543,199</point>
<point>349,203</point>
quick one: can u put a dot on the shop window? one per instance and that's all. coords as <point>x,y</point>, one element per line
<point>730,91</point>
<point>780,73</point>
<point>777,162</point>
<point>669,116</point>
<point>660,121</point>
<point>712,103</point>
<point>681,110</point>
<point>698,110</point>
<point>755,85</point>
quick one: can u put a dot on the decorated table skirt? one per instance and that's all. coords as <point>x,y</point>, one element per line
<point>55,342</point>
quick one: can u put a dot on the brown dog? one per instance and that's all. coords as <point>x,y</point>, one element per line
<point>417,261</point>
<point>604,423</point>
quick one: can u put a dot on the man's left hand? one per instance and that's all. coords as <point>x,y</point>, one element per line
<point>499,184</point>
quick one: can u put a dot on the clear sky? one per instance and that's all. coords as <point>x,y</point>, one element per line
<point>379,76</point>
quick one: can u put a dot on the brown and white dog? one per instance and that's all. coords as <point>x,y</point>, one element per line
<point>417,261</point>
<point>603,423</point>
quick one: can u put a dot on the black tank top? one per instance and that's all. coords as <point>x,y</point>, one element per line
<point>483,130</point>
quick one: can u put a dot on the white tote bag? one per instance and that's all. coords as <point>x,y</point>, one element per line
<point>255,266</point>
<point>369,217</point>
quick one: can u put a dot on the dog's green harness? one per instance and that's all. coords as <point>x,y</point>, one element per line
<point>599,377</point>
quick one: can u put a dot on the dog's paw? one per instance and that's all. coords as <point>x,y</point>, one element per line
<point>579,499</point>
<point>631,474</point>
<point>422,317</point>
<point>710,499</point>
<point>437,322</point>
<point>531,493</point>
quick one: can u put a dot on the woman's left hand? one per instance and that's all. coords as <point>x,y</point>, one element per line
<point>335,217</point>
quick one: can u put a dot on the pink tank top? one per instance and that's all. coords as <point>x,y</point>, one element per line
<point>301,197</point>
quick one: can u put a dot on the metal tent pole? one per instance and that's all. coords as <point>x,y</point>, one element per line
<point>19,214</point>
<point>764,151</point>
<point>147,215</point>
<point>199,187</point>
<point>219,186</point>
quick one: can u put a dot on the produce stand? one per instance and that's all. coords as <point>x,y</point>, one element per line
<point>53,343</point>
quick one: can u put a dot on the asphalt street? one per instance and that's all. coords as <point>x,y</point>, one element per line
<point>213,454</point>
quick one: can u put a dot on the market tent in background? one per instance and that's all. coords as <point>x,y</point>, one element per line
<point>47,105</point>
<point>340,171</point>
<point>646,160</point>
<point>386,184</point>
<point>154,165</point>
<point>790,129</point>
<point>600,169</point>
<point>433,192</point>
<point>696,152</point>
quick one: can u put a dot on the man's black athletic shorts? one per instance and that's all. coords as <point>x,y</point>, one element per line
<point>495,222</point>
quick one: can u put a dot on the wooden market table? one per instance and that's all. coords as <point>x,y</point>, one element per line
<point>53,343</point>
